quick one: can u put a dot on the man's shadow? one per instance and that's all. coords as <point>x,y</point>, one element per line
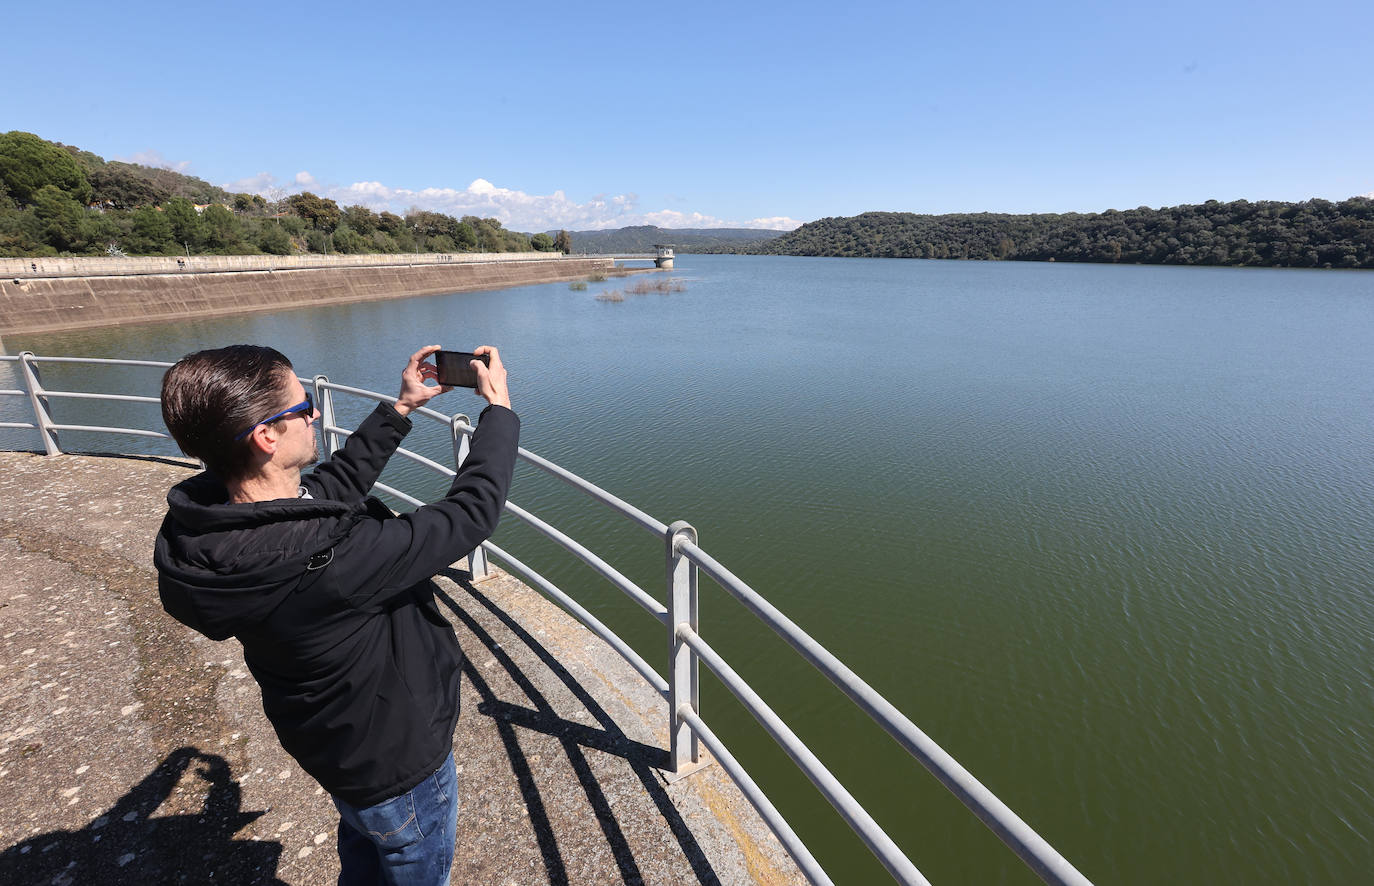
<point>606,736</point>
<point>128,844</point>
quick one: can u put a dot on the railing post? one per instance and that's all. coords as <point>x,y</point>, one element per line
<point>42,415</point>
<point>477,559</point>
<point>684,747</point>
<point>324,399</point>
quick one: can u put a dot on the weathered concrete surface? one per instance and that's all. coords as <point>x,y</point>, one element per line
<point>132,750</point>
<point>49,304</point>
<point>106,266</point>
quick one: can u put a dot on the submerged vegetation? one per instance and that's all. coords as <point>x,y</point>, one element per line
<point>661,286</point>
<point>1311,234</point>
<point>59,200</point>
<point>643,287</point>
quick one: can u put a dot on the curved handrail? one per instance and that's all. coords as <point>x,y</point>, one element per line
<point>685,558</point>
<point>993,812</point>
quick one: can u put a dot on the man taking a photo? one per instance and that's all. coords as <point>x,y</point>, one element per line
<point>329,592</point>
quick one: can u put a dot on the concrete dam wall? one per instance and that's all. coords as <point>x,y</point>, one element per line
<point>50,295</point>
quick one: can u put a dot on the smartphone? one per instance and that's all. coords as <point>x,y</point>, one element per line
<point>455,368</point>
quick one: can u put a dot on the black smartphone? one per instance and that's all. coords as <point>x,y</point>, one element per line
<point>455,368</point>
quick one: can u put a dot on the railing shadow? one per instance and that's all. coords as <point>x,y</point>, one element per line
<point>128,844</point>
<point>170,460</point>
<point>575,738</point>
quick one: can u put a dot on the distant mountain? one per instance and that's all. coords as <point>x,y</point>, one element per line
<point>643,238</point>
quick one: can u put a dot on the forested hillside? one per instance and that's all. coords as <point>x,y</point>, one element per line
<point>59,200</point>
<point>1311,234</point>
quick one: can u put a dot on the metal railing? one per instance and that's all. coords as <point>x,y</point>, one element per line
<point>685,562</point>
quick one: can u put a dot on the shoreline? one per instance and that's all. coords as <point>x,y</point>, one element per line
<point>135,291</point>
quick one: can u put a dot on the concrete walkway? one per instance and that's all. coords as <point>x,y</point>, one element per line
<point>133,750</point>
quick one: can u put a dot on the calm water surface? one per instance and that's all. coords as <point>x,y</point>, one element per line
<point>1103,532</point>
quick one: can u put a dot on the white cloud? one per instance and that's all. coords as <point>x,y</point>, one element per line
<point>366,193</point>
<point>670,218</point>
<point>775,223</point>
<point>516,210</point>
<point>254,184</point>
<point>156,160</point>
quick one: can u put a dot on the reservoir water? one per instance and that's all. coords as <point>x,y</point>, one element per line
<point>1103,532</point>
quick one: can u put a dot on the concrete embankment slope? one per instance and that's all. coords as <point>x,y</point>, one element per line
<point>133,750</point>
<point>49,295</point>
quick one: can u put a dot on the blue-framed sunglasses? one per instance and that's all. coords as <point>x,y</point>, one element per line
<point>308,407</point>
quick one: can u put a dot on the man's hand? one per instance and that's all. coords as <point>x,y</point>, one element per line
<point>491,380</point>
<point>414,392</point>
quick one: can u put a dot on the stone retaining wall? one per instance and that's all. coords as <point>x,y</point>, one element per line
<point>96,266</point>
<point>103,297</point>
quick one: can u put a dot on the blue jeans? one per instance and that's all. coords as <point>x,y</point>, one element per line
<point>407,839</point>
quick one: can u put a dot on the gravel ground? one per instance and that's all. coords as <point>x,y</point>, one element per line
<point>133,750</point>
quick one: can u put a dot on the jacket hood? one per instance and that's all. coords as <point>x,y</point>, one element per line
<point>223,567</point>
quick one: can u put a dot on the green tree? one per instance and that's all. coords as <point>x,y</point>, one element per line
<point>384,242</point>
<point>488,231</point>
<point>19,235</point>
<point>121,185</point>
<point>29,163</point>
<point>250,203</point>
<point>429,224</point>
<point>194,189</point>
<point>322,213</point>
<point>512,241</point>
<point>563,243</point>
<point>348,240</point>
<point>464,237</point>
<point>106,229</point>
<point>221,229</point>
<point>272,239</point>
<point>84,159</point>
<point>361,219</point>
<point>391,223</point>
<point>185,222</point>
<point>26,234</point>
<point>62,219</point>
<point>151,232</point>
<point>542,243</point>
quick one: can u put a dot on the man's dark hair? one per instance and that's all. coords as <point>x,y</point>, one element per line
<point>210,397</point>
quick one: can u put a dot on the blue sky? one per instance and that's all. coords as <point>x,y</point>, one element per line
<point>598,114</point>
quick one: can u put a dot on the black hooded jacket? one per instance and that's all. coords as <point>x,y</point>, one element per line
<point>332,600</point>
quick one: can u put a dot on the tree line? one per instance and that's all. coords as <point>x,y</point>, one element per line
<point>59,200</point>
<point>1310,234</point>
